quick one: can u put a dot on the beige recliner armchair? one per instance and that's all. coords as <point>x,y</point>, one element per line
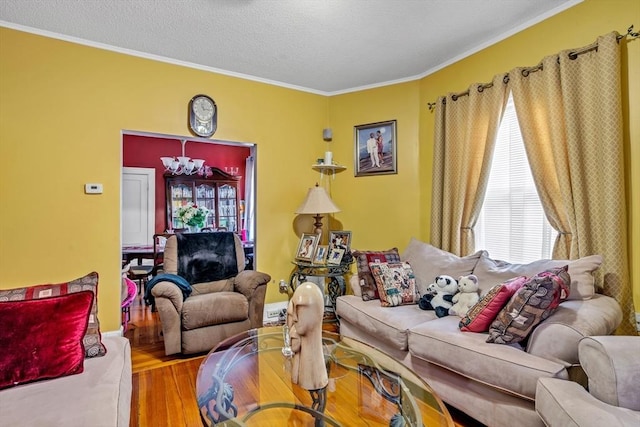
<point>612,364</point>
<point>215,309</point>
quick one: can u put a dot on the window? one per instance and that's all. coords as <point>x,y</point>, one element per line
<point>512,225</point>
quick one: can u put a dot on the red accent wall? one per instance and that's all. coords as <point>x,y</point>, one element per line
<point>145,152</point>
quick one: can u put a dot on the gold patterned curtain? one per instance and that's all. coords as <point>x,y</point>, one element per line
<point>570,114</point>
<point>466,126</point>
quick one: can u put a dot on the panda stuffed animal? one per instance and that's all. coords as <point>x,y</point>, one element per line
<point>445,288</point>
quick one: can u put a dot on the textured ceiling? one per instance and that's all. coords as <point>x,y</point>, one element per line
<point>321,46</point>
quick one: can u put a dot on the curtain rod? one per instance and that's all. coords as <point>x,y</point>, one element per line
<point>526,71</point>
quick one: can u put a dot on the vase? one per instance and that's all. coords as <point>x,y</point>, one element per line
<point>194,228</point>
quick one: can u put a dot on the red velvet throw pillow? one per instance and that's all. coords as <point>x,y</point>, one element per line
<point>93,346</point>
<point>42,338</point>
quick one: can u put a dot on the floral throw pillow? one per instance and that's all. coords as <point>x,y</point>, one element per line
<point>369,289</point>
<point>530,305</point>
<point>396,283</point>
<point>92,340</point>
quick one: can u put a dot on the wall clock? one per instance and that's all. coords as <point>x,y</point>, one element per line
<point>203,116</point>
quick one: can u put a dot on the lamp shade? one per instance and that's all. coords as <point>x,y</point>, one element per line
<point>317,202</point>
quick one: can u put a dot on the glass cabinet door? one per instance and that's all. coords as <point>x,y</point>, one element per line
<point>218,193</point>
<point>181,194</point>
<point>227,209</point>
<point>205,196</point>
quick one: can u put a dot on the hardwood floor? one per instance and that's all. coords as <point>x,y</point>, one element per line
<point>164,386</point>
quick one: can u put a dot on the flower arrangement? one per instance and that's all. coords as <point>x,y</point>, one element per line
<point>192,215</point>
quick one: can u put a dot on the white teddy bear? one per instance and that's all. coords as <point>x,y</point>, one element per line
<point>467,295</point>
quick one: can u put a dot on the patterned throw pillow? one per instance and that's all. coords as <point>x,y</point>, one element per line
<point>368,286</point>
<point>530,305</point>
<point>395,281</point>
<point>480,316</point>
<point>92,341</point>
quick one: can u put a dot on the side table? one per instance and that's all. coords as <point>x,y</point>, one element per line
<point>335,273</point>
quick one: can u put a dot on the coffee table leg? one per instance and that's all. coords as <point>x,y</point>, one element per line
<point>319,398</point>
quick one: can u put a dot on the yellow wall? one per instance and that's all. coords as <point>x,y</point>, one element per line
<point>63,107</point>
<point>575,27</point>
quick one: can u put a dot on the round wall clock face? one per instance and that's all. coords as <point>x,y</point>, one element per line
<point>203,117</point>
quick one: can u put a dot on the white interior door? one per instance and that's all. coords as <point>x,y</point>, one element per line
<point>138,205</point>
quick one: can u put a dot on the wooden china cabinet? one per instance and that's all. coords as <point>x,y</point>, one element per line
<point>217,191</point>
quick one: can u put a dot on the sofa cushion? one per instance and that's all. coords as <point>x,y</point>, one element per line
<point>568,404</point>
<point>214,309</point>
<point>395,281</point>
<point>368,287</point>
<point>467,353</point>
<point>491,272</point>
<point>480,316</point>
<point>92,340</point>
<point>428,262</point>
<point>389,324</point>
<point>42,338</point>
<point>530,305</point>
<point>99,396</point>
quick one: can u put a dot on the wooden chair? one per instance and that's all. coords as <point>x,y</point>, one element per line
<point>159,242</point>
<point>140,274</point>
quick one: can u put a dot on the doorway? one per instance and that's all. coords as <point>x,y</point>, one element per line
<point>142,151</point>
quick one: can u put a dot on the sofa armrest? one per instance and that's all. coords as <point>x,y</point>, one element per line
<point>169,300</point>
<point>612,364</point>
<point>170,292</point>
<point>247,281</point>
<point>557,337</point>
<point>566,403</point>
<point>252,284</point>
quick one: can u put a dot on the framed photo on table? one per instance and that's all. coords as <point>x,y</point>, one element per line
<point>320,256</point>
<point>335,256</point>
<point>339,239</point>
<point>375,149</point>
<point>307,247</point>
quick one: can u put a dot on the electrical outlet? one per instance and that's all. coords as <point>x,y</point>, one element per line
<point>638,322</point>
<point>273,314</point>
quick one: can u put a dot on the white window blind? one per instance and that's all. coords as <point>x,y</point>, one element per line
<point>512,225</point>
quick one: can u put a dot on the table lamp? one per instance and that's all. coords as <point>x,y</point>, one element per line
<point>317,202</point>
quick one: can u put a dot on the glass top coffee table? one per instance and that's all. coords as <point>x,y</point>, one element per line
<point>246,381</point>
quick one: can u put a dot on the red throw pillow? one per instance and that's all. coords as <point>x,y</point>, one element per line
<point>93,346</point>
<point>480,316</point>
<point>368,285</point>
<point>42,338</point>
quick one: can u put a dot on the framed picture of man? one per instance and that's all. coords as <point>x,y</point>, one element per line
<point>307,247</point>
<point>375,149</point>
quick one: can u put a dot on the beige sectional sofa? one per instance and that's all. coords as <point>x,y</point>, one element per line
<point>493,383</point>
<point>98,397</point>
<point>612,364</point>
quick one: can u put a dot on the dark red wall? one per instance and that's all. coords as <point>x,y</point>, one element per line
<point>145,152</point>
